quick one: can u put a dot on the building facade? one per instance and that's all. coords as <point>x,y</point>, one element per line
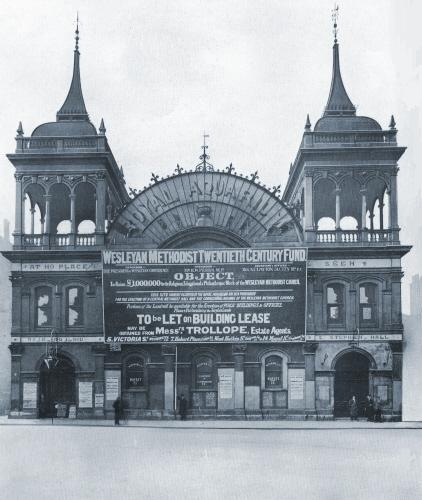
<point>340,204</point>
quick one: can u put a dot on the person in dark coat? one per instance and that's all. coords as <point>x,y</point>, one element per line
<point>377,411</point>
<point>117,405</point>
<point>369,408</point>
<point>353,406</point>
<point>183,407</point>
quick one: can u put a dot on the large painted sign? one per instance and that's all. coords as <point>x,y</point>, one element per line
<point>194,199</point>
<point>229,295</point>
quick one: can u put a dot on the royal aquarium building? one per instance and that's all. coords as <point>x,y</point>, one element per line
<point>251,302</point>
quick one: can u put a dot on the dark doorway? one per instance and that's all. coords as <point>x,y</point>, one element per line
<point>351,378</point>
<point>57,386</point>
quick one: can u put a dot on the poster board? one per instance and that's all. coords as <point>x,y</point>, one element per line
<point>207,296</point>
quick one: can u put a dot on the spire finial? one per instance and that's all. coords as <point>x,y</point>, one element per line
<point>73,107</point>
<point>102,128</point>
<point>19,131</point>
<point>204,166</point>
<point>339,103</point>
<point>77,32</point>
<point>334,15</point>
<point>308,123</point>
<point>392,123</point>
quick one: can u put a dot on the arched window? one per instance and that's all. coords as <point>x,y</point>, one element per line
<point>335,304</point>
<point>74,306</point>
<point>273,372</point>
<point>368,304</point>
<point>43,307</point>
<point>204,373</point>
<point>135,373</point>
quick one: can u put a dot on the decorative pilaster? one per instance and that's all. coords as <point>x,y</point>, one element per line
<point>397,351</point>
<point>169,353</point>
<point>309,350</point>
<point>19,208</point>
<point>99,352</point>
<point>101,208</point>
<point>16,351</point>
<point>238,352</point>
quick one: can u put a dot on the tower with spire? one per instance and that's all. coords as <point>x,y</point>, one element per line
<point>67,179</point>
<point>344,182</point>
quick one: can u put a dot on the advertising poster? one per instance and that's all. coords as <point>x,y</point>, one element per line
<point>227,295</point>
<point>29,395</point>
<point>85,394</point>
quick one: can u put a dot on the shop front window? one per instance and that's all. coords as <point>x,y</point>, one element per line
<point>335,304</point>
<point>135,373</point>
<point>74,306</point>
<point>273,372</point>
<point>43,307</point>
<point>204,373</point>
<point>367,304</point>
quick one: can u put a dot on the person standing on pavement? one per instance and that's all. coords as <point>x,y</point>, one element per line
<point>117,405</point>
<point>369,408</point>
<point>353,406</point>
<point>183,407</point>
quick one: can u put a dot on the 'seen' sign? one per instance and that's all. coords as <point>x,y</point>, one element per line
<point>230,295</point>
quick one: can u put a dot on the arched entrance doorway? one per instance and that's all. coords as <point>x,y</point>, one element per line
<point>351,378</point>
<point>57,385</point>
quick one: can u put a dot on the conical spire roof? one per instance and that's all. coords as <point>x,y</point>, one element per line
<point>74,106</point>
<point>339,102</point>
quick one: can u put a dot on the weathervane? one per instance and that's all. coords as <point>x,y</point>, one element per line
<point>77,32</point>
<point>204,166</point>
<point>334,15</point>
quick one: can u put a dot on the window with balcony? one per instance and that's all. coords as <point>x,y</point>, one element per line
<point>335,304</point>
<point>368,304</point>
<point>43,307</point>
<point>74,306</point>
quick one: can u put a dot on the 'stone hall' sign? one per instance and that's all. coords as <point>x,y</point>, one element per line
<point>230,295</point>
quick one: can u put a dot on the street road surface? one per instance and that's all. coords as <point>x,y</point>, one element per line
<point>87,462</point>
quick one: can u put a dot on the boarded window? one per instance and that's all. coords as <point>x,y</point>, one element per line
<point>43,307</point>
<point>274,372</point>
<point>74,306</point>
<point>135,373</point>
<point>335,304</point>
<point>367,304</point>
<point>204,373</point>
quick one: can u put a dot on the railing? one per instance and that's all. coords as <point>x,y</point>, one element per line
<point>58,240</point>
<point>30,145</point>
<point>85,240</point>
<point>356,236</point>
<point>375,138</point>
<point>33,240</point>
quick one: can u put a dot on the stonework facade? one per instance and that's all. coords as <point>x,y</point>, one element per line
<point>340,202</point>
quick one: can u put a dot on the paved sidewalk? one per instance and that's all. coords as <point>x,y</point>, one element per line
<point>219,424</point>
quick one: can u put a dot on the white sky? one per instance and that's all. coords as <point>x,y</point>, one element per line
<point>247,72</point>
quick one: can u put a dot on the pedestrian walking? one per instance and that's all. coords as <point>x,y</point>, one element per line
<point>377,412</point>
<point>117,405</point>
<point>353,407</point>
<point>183,407</point>
<point>369,408</point>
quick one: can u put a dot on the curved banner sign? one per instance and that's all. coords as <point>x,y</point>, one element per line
<point>216,295</point>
